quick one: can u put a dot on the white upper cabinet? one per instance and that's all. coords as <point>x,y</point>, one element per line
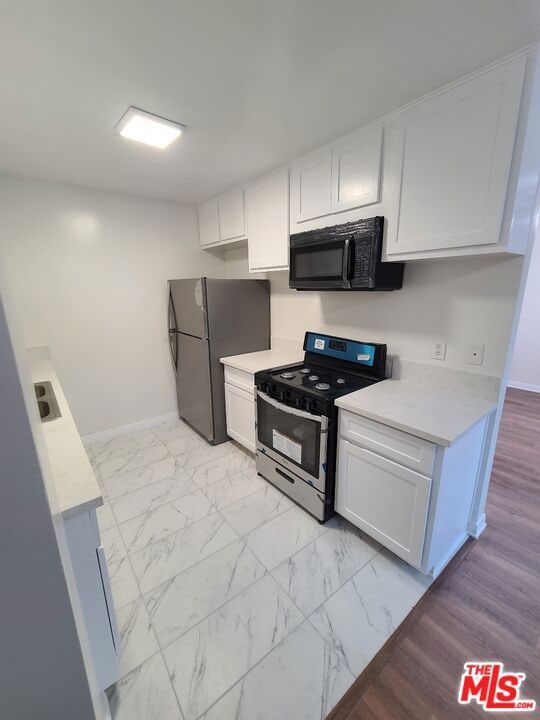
<point>209,223</point>
<point>452,155</point>
<point>356,169</point>
<point>267,211</point>
<point>232,215</point>
<point>311,180</point>
<point>337,177</point>
<point>223,219</point>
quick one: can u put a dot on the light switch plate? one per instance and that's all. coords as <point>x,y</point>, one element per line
<point>475,354</point>
<point>439,350</point>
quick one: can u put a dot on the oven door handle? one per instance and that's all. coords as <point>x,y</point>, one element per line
<point>346,259</point>
<point>294,411</point>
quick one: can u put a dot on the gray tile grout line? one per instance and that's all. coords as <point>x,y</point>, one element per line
<point>150,429</point>
<point>142,599</point>
<point>160,651</point>
<point>169,502</point>
<point>160,646</point>
<point>186,526</point>
<point>131,455</point>
<point>251,669</point>
<point>170,477</point>
<point>197,488</point>
<point>306,618</point>
<point>183,528</point>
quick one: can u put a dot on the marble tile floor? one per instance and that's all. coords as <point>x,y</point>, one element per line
<point>232,602</point>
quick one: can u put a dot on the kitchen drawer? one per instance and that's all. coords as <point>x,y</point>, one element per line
<point>407,450</point>
<point>239,378</point>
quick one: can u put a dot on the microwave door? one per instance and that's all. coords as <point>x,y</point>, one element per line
<point>320,265</point>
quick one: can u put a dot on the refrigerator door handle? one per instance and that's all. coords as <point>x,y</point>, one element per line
<point>173,336</point>
<point>173,343</point>
<point>205,319</point>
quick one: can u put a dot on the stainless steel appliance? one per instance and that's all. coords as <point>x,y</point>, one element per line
<point>297,418</point>
<point>210,319</point>
<point>342,257</point>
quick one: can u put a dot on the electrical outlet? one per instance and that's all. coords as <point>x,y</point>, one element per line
<point>475,354</point>
<point>439,350</point>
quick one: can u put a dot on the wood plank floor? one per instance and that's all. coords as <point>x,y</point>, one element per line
<point>485,606</point>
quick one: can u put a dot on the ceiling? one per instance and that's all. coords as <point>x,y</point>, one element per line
<point>257,82</point>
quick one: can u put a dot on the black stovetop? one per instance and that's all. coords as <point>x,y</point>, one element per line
<point>318,380</point>
<point>303,391</point>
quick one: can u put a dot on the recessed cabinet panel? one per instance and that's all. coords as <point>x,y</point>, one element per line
<point>453,157</point>
<point>240,410</point>
<point>231,215</point>
<point>356,169</point>
<point>311,179</point>
<point>208,223</point>
<point>386,500</point>
<point>267,204</point>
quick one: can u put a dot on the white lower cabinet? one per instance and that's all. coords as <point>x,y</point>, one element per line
<point>240,406</point>
<point>386,500</point>
<point>423,517</point>
<point>240,409</point>
<point>94,590</point>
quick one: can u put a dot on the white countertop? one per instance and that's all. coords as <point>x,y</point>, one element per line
<point>264,359</point>
<point>76,486</point>
<point>435,415</point>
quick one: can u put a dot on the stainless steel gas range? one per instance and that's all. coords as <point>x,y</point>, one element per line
<point>297,418</point>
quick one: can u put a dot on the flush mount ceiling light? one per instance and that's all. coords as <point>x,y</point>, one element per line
<point>147,128</point>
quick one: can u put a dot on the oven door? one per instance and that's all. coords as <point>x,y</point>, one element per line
<point>293,438</point>
<point>319,264</point>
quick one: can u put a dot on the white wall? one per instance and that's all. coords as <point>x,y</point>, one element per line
<point>460,301</point>
<point>525,370</point>
<point>43,672</point>
<point>87,272</point>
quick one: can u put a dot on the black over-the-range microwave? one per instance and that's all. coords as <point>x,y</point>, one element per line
<point>342,257</point>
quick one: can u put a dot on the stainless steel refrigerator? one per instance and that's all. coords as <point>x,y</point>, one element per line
<point>210,319</point>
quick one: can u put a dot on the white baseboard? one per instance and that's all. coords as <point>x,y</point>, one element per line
<point>458,544</point>
<point>524,386</point>
<point>132,427</point>
<point>476,528</point>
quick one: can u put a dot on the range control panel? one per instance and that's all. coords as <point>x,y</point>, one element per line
<point>359,353</point>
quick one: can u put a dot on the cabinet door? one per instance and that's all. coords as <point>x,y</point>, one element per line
<point>208,223</point>
<point>386,500</point>
<point>267,203</point>
<point>356,169</point>
<point>231,215</point>
<point>311,180</point>
<point>94,596</point>
<point>453,155</point>
<point>240,409</point>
